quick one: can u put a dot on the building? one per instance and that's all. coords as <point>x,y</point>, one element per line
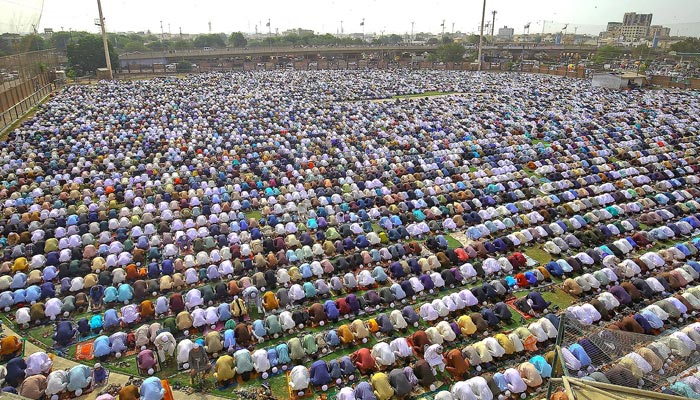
<point>631,32</point>
<point>506,32</point>
<point>634,27</point>
<point>298,31</point>
<point>632,18</point>
<point>614,27</point>
<point>659,32</point>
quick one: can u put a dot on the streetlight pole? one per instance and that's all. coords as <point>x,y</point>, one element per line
<point>481,33</point>
<point>104,39</point>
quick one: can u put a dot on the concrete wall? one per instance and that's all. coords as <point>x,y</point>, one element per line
<point>609,81</point>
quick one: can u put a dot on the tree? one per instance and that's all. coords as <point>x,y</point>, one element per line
<point>32,42</point>
<point>158,46</point>
<point>184,66</point>
<point>640,51</point>
<point>450,52</point>
<point>390,39</point>
<point>210,40</point>
<point>87,54</point>
<point>606,53</point>
<point>472,39</point>
<point>237,40</point>
<point>182,44</point>
<point>59,40</point>
<point>689,45</point>
<point>446,40</point>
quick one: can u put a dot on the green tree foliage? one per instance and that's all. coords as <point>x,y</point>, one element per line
<point>606,53</point>
<point>210,40</point>
<point>237,40</point>
<point>86,54</point>
<point>182,44</point>
<point>32,42</point>
<point>9,43</point>
<point>446,39</point>
<point>689,45</point>
<point>450,52</point>
<point>389,39</point>
<point>640,51</point>
<point>472,39</point>
<point>158,46</point>
<point>305,40</point>
<point>60,40</point>
<point>184,66</point>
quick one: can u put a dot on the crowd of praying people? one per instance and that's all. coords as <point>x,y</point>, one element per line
<point>210,221</point>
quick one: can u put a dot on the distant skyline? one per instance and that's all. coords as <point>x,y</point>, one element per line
<point>193,16</point>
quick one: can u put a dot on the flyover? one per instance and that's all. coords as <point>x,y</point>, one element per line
<point>388,52</point>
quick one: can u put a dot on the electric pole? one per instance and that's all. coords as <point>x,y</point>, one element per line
<point>493,22</point>
<point>443,27</point>
<point>104,40</point>
<point>481,33</point>
<point>412,24</point>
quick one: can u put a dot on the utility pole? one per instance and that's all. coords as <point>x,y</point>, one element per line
<point>162,33</point>
<point>453,28</point>
<point>341,27</point>
<point>363,29</point>
<point>180,32</point>
<point>269,32</point>
<point>412,24</point>
<point>209,26</point>
<point>443,27</point>
<point>481,33</point>
<point>104,40</point>
<point>493,22</point>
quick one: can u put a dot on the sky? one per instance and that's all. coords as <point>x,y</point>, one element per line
<point>392,16</point>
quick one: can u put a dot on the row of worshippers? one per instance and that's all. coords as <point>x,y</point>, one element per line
<point>35,378</point>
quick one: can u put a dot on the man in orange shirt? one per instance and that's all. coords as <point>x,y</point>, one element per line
<point>9,346</point>
<point>129,392</point>
<point>457,366</point>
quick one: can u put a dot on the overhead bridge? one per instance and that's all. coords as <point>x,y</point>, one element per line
<point>389,52</point>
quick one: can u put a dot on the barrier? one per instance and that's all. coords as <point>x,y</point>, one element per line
<point>15,112</point>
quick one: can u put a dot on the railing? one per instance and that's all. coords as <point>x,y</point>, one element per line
<point>14,113</point>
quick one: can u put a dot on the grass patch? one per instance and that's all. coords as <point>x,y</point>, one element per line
<point>531,173</point>
<point>538,141</point>
<point>257,214</point>
<point>452,243</point>
<point>558,297</point>
<point>538,254</point>
<point>30,113</point>
<point>424,94</point>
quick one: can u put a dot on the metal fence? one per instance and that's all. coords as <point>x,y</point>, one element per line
<point>14,113</point>
<point>25,79</point>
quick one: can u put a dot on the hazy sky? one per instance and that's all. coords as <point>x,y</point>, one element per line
<point>588,16</point>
